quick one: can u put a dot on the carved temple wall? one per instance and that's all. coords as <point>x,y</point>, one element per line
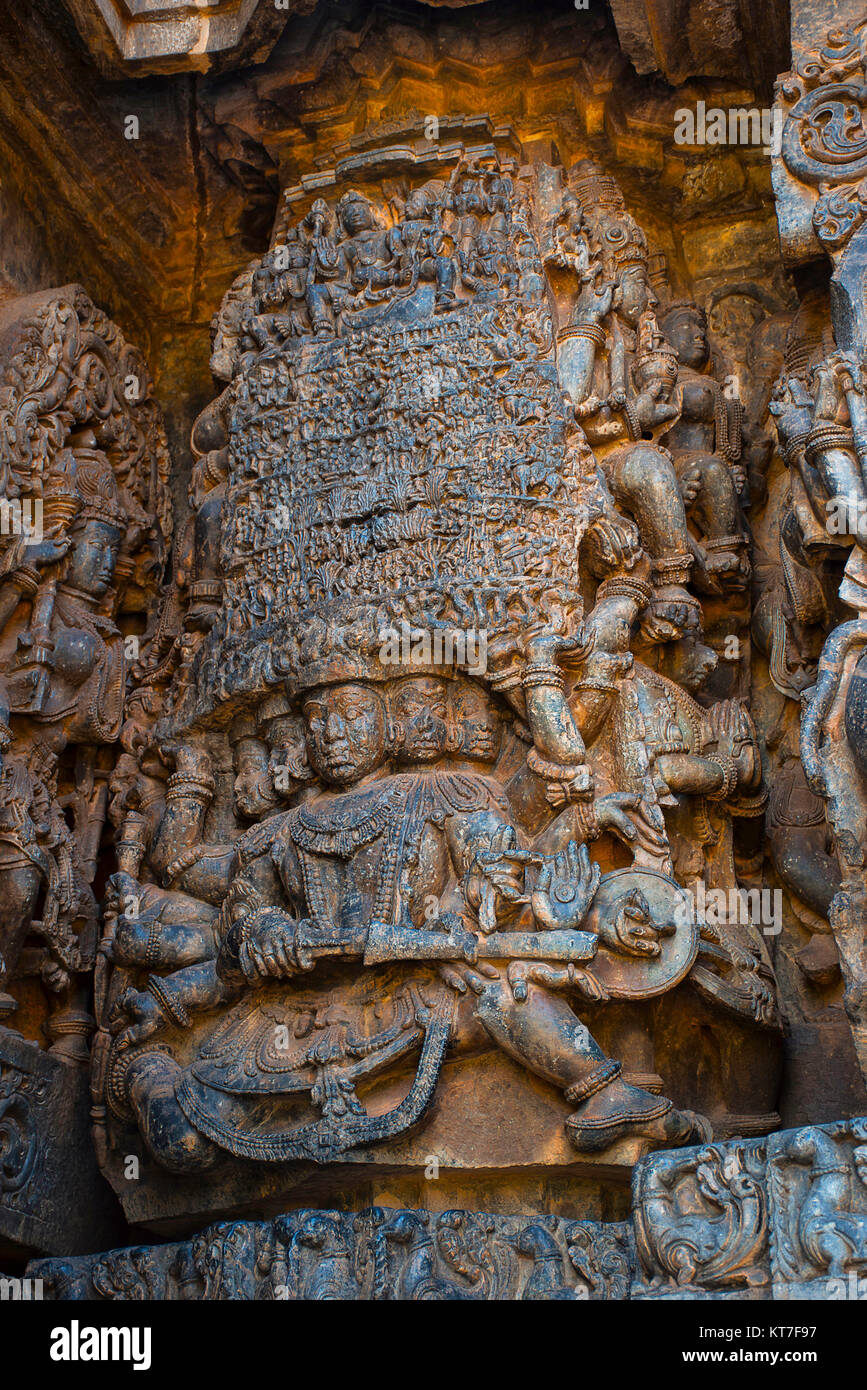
<point>432,600</point>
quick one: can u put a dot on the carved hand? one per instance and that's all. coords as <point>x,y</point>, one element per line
<point>689,484</point>
<point>831,380</point>
<point>627,817</point>
<point>522,973</point>
<point>494,878</point>
<point>271,946</point>
<point>546,645</point>
<point>792,409</point>
<point>50,549</point>
<point>739,477</point>
<point>632,933</point>
<point>142,1014</point>
<point>613,542</point>
<point>188,761</point>
<point>594,302</point>
<point>565,888</point>
<point>649,410</point>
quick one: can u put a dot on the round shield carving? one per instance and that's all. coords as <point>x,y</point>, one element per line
<point>669,908</point>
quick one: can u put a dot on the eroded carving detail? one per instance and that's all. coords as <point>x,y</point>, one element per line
<point>84,477</point>
<point>376,1254</point>
<point>460,516</point>
<point>701,1220</point>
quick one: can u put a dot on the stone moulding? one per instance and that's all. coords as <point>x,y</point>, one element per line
<point>51,1195</point>
<point>775,1219</point>
<point>142,36</point>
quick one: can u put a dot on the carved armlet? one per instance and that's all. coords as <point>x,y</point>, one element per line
<point>181,785</point>
<point>729,772</point>
<point>749,806</point>
<point>795,447</point>
<point>713,543</point>
<point>586,821</point>
<point>673,569</point>
<point>633,425</point>
<point>824,437</point>
<point>26,579</point>
<point>593,332</point>
<point>152,948</point>
<point>625,586</point>
<point>506,681</point>
<point>542,673</point>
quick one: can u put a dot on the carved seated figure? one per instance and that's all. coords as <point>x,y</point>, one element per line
<point>666,438</point>
<point>417,893</point>
<point>175,925</point>
<point>420,245</point>
<point>705,443</point>
<point>339,967</point>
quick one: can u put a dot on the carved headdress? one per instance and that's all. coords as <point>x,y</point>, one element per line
<point>617,236</point>
<point>81,488</point>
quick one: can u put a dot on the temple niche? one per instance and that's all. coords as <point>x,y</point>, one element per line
<point>418,820</point>
<point>432,805</point>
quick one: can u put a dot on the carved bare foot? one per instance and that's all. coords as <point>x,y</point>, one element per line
<point>620,1111</point>
<point>671,611</point>
<point>726,562</point>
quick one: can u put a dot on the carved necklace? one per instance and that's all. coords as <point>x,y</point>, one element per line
<point>388,817</point>
<point>342,830</point>
<point>727,443</point>
<point>75,608</point>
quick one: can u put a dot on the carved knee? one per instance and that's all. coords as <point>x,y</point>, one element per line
<point>170,1137</point>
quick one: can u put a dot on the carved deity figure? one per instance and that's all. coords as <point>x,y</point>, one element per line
<point>705,442</point>
<point>425,778</point>
<point>76,437</point>
<point>666,436</point>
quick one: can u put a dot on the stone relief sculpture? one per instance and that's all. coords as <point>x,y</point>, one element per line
<point>411,811</point>
<point>819,1180</point>
<point>85,480</point>
<point>431,748</point>
<point>820,419</point>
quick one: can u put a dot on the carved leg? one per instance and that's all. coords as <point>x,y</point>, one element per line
<point>716,511</point>
<point>544,1034</point>
<point>645,483</point>
<point>149,940</point>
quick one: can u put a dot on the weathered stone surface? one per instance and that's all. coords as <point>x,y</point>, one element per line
<point>144,36</point>
<point>780,1218</point>
<point>424,810</point>
<point>86,525</point>
<point>821,422</point>
<point>726,38</point>
<point>52,1197</point>
<point>460,811</point>
<point>377,1255</point>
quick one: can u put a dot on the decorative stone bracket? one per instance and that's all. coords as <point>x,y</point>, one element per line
<point>136,37</point>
